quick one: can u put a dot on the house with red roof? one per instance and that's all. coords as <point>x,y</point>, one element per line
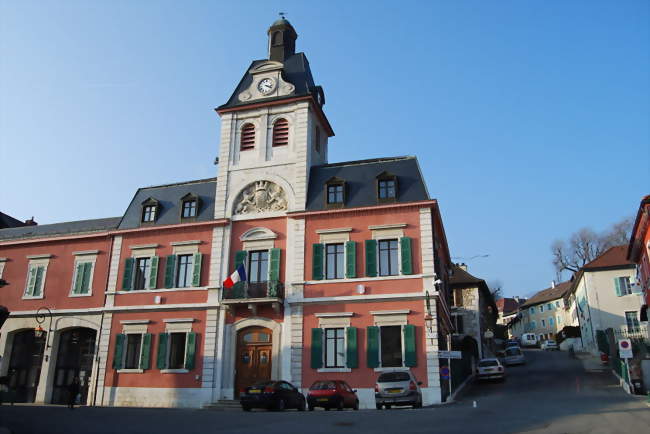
<point>638,251</point>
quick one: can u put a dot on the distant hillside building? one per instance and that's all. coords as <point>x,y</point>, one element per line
<point>543,314</point>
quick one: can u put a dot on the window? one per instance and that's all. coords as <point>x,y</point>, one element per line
<point>551,321</point>
<point>622,285</point>
<point>142,270</point>
<point>35,280</point>
<point>259,266</point>
<point>541,308</point>
<point>557,304</point>
<point>317,139</point>
<point>281,132</point>
<point>549,306</point>
<point>82,278</point>
<point>458,297</point>
<point>247,137</point>
<point>632,321</point>
<point>388,257</point>
<point>184,270</point>
<point>386,189</point>
<point>559,320</point>
<point>334,261</point>
<point>177,350</point>
<point>390,342</point>
<point>335,348</point>
<point>189,208</point>
<point>532,309</point>
<point>544,323</point>
<point>133,351</point>
<point>149,213</point>
<point>335,193</point>
<point>533,324</point>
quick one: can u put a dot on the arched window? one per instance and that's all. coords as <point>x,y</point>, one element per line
<point>276,39</point>
<point>247,137</point>
<point>281,132</point>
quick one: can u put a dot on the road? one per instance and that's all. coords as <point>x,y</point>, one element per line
<point>551,394</point>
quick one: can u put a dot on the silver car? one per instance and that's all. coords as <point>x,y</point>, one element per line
<point>397,388</point>
<point>489,369</point>
<point>514,356</point>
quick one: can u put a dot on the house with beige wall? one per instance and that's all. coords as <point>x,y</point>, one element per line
<point>542,314</point>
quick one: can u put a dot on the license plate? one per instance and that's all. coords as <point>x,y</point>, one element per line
<point>322,399</point>
<point>255,391</point>
<point>394,390</point>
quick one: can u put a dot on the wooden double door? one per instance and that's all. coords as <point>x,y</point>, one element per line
<point>254,353</point>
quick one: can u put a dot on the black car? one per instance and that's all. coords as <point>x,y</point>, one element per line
<point>272,395</point>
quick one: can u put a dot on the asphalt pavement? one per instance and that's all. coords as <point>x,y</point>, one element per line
<point>550,394</point>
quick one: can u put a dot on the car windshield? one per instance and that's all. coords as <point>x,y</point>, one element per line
<point>513,352</point>
<point>550,342</point>
<point>390,377</point>
<point>484,363</point>
<point>262,384</point>
<point>323,385</point>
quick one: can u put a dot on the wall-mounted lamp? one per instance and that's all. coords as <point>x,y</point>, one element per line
<point>361,289</point>
<point>41,314</point>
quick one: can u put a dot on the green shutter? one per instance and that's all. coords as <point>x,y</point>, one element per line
<point>153,273</point>
<point>161,360</point>
<point>410,356</point>
<point>407,260</point>
<point>38,281</point>
<point>78,280</point>
<point>31,280</point>
<point>371,258</point>
<point>196,272</point>
<point>127,280</point>
<point>190,351</point>
<point>170,263</point>
<point>145,355</point>
<point>85,283</point>
<point>372,346</point>
<point>351,357</point>
<point>317,262</point>
<point>240,258</point>
<point>350,259</point>
<point>274,272</point>
<point>617,285</point>
<point>316,348</point>
<point>119,350</point>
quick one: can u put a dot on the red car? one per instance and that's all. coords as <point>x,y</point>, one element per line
<point>332,394</point>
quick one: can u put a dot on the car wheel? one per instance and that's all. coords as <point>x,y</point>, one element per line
<point>356,405</point>
<point>378,406</point>
<point>388,406</point>
<point>302,405</point>
<point>245,408</point>
<point>310,407</point>
<point>341,405</point>
<point>418,404</point>
<point>280,405</point>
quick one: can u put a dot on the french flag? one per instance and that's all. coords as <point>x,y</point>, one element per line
<point>238,276</point>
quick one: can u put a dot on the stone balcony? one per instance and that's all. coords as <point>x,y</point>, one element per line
<point>253,294</point>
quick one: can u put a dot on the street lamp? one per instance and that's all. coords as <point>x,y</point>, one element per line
<point>41,314</point>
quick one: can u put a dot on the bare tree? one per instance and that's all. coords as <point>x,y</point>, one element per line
<point>586,245</point>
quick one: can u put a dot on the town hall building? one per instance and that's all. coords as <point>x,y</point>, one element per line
<point>347,269</point>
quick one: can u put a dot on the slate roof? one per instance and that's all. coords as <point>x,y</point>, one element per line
<point>548,294</point>
<point>169,198</point>
<point>7,221</point>
<point>296,71</point>
<point>359,177</point>
<point>60,229</point>
<point>614,257</point>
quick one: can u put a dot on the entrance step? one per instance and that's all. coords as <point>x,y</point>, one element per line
<point>224,405</point>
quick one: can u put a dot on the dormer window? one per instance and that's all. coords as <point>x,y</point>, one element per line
<point>335,193</point>
<point>150,210</point>
<point>189,206</point>
<point>281,132</point>
<point>386,188</point>
<point>247,137</point>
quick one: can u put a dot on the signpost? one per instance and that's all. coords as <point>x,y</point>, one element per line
<point>450,355</point>
<point>444,373</point>
<point>625,348</point>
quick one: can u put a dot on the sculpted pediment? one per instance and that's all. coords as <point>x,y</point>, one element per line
<point>259,197</point>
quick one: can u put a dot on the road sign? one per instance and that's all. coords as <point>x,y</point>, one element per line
<point>625,348</point>
<point>444,373</point>
<point>489,334</point>
<point>450,355</point>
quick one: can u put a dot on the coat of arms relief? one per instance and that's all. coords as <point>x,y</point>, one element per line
<point>261,196</point>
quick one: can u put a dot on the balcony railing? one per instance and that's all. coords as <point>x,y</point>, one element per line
<point>254,290</point>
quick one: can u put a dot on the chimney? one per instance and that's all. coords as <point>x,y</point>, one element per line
<point>30,222</point>
<point>516,297</point>
<point>463,266</point>
<point>552,283</point>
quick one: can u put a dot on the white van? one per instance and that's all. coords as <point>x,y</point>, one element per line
<point>528,340</point>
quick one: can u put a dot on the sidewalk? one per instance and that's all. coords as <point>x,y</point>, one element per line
<point>592,363</point>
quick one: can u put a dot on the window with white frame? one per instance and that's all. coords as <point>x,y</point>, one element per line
<point>390,344</point>
<point>35,281</point>
<point>184,270</point>
<point>334,261</point>
<point>388,257</point>
<point>549,306</point>
<point>557,304</point>
<point>544,323</point>
<point>82,277</point>
<point>334,353</point>
<point>632,321</point>
<point>551,321</point>
<point>541,308</point>
<point>177,346</point>
<point>622,286</point>
<point>258,266</point>
<point>142,271</point>
<point>133,351</point>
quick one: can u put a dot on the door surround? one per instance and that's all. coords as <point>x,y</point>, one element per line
<point>275,328</point>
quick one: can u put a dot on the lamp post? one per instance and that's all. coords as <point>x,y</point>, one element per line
<point>41,314</point>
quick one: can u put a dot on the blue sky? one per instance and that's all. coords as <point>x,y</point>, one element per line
<point>530,119</point>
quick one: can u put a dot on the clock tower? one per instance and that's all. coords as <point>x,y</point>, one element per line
<point>273,130</point>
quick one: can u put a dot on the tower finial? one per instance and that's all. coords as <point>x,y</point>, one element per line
<point>282,14</point>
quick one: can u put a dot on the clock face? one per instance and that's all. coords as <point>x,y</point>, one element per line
<point>266,86</point>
